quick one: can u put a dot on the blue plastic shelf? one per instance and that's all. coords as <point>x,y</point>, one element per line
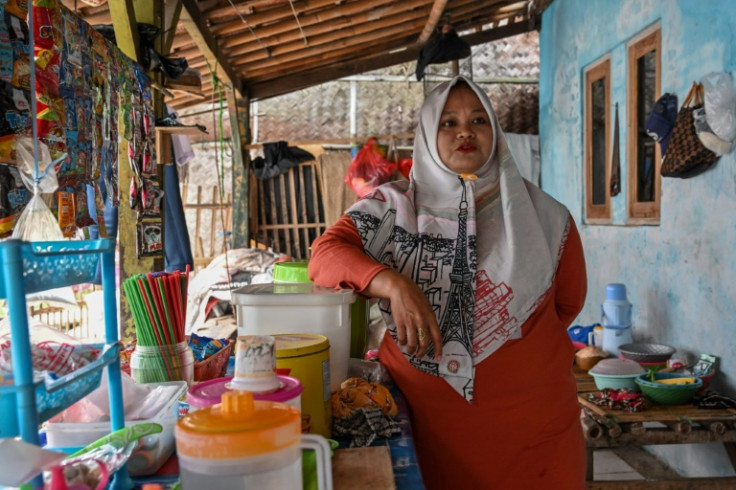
<point>52,397</point>
<point>29,267</point>
<point>49,265</point>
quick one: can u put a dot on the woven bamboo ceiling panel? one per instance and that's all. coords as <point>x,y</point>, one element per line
<point>265,48</point>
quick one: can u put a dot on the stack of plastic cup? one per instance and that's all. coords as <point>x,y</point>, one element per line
<point>255,364</point>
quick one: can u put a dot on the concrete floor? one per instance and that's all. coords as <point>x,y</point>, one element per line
<point>629,463</point>
<point>607,465</point>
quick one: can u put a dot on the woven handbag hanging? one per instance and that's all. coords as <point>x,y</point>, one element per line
<point>686,156</point>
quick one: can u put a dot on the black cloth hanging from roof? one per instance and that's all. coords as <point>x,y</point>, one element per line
<point>279,158</point>
<point>448,46</point>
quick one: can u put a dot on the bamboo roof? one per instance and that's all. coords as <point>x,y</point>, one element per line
<point>266,48</point>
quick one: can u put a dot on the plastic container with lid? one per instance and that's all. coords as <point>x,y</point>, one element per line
<point>272,309</point>
<point>208,393</point>
<point>244,443</point>
<point>307,358</point>
<point>154,449</point>
<point>616,309</point>
<point>297,272</point>
<point>161,363</point>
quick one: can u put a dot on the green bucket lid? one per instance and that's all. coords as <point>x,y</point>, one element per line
<point>291,272</point>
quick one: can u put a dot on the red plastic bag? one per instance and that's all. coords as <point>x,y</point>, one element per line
<point>368,170</point>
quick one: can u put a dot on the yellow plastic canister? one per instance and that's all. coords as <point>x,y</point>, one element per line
<point>307,357</point>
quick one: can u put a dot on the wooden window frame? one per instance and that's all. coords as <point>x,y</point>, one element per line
<point>647,213</point>
<point>597,213</point>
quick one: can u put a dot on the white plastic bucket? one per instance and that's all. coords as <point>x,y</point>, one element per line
<point>272,309</point>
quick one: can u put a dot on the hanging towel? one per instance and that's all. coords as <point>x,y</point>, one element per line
<point>615,159</point>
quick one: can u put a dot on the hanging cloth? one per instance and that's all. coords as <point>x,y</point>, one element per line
<point>615,159</point>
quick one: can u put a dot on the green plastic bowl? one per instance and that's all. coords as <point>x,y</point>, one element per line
<point>668,394</point>
<point>615,381</point>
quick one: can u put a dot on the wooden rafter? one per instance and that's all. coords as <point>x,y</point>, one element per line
<point>193,22</point>
<point>434,17</point>
<point>172,13</point>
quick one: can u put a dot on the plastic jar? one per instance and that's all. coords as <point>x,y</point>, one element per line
<point>160,363</point>
<point>297,272</point>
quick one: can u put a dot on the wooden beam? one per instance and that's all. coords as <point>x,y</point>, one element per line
<point>380,41</point>
<point>322,34</point>
<point>193,21</point>
<point>124,24</point>
<point>434,17</point>
<point>268,16</point>
<point>239,122</point>
<point>172,12</point>
<point>304,79</point>
<point>317,23</point>
<point>398,22</point>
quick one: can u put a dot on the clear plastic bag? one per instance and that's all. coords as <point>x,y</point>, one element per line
<point>37,222</point>
<point>720,104</point>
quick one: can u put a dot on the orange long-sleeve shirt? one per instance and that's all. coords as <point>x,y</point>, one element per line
<point>522,430</point>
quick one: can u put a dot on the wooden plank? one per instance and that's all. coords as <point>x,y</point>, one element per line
<point>286,30</point>
<point>304,216</point>
<point>270,184</point>
<point>124,24</point>
<point>661,413</point>
<point>353,43</point>
<point>435,15</point>
<point>238,110</point>
<point>195,24</point>
<point>266,17</point>
<point>172,12</point>
<point>293,217</point>
<point>213,221</point>
<point>645,463</point>
<point>365,468</point>
<point>285,214</point>
<point>325,34</point>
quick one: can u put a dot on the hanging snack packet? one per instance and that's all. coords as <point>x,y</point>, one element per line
<point>149,239</point>
<point>13,198</point>
<point>65,199</point>
<point>6,53</point>
<point>18,33</point>
<point>82,216</point>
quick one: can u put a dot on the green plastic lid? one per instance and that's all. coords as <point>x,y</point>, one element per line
<point>291,272</point>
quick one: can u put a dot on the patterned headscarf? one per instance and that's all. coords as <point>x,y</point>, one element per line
<point>483,247</point>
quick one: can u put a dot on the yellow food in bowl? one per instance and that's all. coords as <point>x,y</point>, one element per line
<point>677,381</point>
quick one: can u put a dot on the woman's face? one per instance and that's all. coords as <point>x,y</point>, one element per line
<point>465,135</point>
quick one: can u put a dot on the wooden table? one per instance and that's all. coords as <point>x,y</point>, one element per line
<point>660,424</point>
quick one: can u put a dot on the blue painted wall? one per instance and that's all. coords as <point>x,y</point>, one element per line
<point>681,274</point>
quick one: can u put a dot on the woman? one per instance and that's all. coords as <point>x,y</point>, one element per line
<point>478,273</point>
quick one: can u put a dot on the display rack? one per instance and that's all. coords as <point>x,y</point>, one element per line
<point>29,267</point>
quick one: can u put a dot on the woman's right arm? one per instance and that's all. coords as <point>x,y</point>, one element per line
<point>338,260</point>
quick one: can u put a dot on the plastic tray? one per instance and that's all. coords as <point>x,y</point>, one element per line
<point>53,397</point>
<point>154,449</point>
<point>48,265</point>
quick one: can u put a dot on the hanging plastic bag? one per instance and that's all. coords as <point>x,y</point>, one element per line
<point>720,105</point>
<point>706,135</point>
<point>368,170</point>
<point>37,222</point>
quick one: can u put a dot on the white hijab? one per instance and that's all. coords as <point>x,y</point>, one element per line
<point>483,283</point>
